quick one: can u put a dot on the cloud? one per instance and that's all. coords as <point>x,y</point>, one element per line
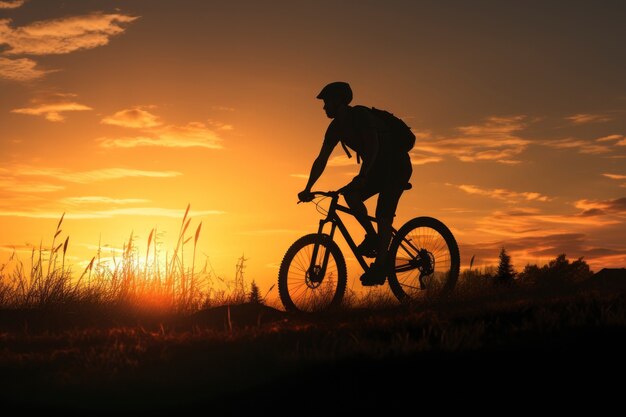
<point>502,194</point>
<point>609,138</point>
<point>102,200</point>
<point>582,146</point>
<point>423,160</point>
<point>540,248</point>
<point>104,214</point>
<point>602,207</point>
<point>22,69</point>
<point>303,176</point>
<point>268,232</point>
<point>85,177</point>
<point>64,35</point>
<point>11,4</point>
<point>194,134</point>
<point>615,176</point>
<point>583,118</point>
<point>520,221</point>
<point>136,118</point>
<point>51,107</point>
<point>16,186</point>
<point>341,161</point>
<point>154,133</point>
<point>220,125</point>
<point>223,108</point>
<point>493,140</point>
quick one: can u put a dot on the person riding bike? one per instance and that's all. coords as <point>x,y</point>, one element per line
<point>385,170</point>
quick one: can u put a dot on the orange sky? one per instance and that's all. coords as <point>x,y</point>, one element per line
<point>121,113</point>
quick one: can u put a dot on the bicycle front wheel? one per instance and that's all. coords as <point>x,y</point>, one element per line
<point>426,260</point>
<point>308,285</point>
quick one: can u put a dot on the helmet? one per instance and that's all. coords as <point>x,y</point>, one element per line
<point>336,90</point>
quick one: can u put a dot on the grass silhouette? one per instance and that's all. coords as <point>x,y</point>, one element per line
<point>171,284</point>
<point>138,335</point>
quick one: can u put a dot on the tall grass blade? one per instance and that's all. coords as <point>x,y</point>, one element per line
<point>195,242</point>
<point>61,220</point>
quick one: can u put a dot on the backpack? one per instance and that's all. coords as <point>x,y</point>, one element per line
<point>400,134</point>
<point>400,137</point>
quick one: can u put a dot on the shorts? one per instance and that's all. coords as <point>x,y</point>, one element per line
<point>388,178</point>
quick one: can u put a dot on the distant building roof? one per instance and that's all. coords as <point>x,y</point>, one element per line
<point>613,279</point>
<point>611,273</point>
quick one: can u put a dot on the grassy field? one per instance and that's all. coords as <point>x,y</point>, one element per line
<point>242,359</point>
<point>142,337</point>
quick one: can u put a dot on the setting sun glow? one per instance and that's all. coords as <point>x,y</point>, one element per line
<point>130,118</point>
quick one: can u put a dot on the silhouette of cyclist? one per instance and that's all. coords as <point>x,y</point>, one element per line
<point>385,170</point>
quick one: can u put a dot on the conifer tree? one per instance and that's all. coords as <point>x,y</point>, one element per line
<point>505,273</point>
<point>255,294</point>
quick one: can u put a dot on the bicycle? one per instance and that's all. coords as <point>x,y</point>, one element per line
<point>423,261</point>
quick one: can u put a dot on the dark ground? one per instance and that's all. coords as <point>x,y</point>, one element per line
<point>508,347</point>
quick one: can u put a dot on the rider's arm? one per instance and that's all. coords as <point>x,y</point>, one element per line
<point>330,141</point>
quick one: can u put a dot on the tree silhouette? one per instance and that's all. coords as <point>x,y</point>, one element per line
<point>505,273</point>
<point>558,272</point>
<point>255,294</point>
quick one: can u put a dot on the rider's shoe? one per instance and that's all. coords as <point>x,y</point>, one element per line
<point>369,246</point>
<point>375,275</point>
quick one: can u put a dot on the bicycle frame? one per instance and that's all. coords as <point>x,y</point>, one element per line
<point>336,223</point>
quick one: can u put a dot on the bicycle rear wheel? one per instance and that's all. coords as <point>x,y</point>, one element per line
<point>305,286</point>
<point>426,260</point>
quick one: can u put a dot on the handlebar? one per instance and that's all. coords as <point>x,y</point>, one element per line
<point>332,194</point>
<point>326,193</point>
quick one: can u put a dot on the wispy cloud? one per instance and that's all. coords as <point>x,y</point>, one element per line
<point>193,134</point>
<point>21,69</point>
<point>268,232</point>
<point>52,107</point>
<point>521,222</point>
<point>62,36</point>
<point>582,146</point>
<point>541,247</point>
<point>517,222</point>
<point>610,138</point>
<point>602,207</point>
<point>84,177</point>
<point>502,194</point>
<point>103,214</point>
<point>303,176</point>
<point>423,160</point>
<point>101,200</point>
<point>615,176</point>
<point>154,133</point>
<point>15,185</point>
<point>493,140</point>
<point>11,4</point>
<point>341,161</point>
<point>583,118</point>
<point>217,125</point>
<point>136,117</point>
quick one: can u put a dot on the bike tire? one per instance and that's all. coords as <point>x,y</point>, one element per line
<point>297,292</point>
<point>404,277</point>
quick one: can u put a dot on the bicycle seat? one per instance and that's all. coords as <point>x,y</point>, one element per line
<point>408,186</point>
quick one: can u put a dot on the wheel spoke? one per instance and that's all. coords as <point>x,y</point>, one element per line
<point>422,234</point>
<point>300,286</point>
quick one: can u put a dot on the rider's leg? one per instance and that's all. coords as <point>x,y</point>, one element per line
<point>354,199</point>
<point>384,238</point>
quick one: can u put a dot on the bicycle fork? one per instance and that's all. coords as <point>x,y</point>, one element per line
<point>318,272</point>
